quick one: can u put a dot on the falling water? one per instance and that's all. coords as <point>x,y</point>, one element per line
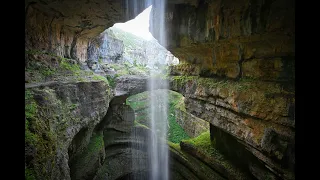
<point>158,150</point>
<point>156,144</point>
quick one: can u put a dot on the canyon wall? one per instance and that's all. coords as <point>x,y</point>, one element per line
<point>233,39</point>
<point>64,28</point>
<point>237,71</point>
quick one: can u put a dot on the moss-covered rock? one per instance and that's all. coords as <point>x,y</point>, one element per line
<point>85,165</point>
<point>252,111</point>
<point>55,113</point>
<point>43,67</point>
<point>189,167</point>
<point>204,148</point>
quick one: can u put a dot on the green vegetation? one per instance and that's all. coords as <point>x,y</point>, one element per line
<point>68,65</point>
<point>127,38</point>
<point>111,81</point>
<point>73,106</point>
<point>243,85</point>
<point>140,125</point>
<point>129,69</point>
<point>96,143</point>
<point>204,144</point>
<point>139,103</point>
<point>174,145</point>
<point>176,132</point>
<point>98,77</point>
<point>38,136</point>
<point>29,174</point>
<point>30,105</point>
<point>49,67</point>
<point>89,157</point>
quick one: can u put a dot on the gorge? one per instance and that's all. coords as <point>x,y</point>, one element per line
<point>228,105</point>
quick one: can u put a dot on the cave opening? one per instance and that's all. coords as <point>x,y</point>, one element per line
<point>83,89</point>
<point>130,49</point>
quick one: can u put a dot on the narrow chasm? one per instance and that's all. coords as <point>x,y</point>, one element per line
<point>159,90</point>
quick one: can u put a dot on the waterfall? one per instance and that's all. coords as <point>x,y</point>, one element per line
<point>156,146</point>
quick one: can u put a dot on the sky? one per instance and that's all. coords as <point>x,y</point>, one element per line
<point>138,26</point>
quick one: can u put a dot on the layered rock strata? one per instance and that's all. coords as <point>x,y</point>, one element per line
<point>55,113</point>
<point>259,115</point>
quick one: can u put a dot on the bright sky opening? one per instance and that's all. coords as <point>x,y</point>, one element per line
<point>138,26</point>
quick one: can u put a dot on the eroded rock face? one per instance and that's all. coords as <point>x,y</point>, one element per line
<point>65,27</point>
<point>124,144</point>
<point>105,49</point>
<point>233,38</point>
<point>191,124</point>
<point>133,84</point>
<point>257,114</point>
<point>55,113</point>
<point>184,165</point>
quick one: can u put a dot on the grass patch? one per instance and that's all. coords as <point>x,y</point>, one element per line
<point>68,65</point>
<point>112,80</point>
<point>29,174</point>
<point>204,143</point>
<point>140,104</point>
<point>174,145</point>
<point>30,105</point>
<point>98,77</point>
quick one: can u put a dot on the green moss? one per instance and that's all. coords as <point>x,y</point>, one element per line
<point>242,85</point>
<point>30,114</point>
<point>30,138</point>
<point>123,72</point>
<point>111,80</point>
<point>73,106</point>
<point>204,143</point>
<point>89,156</point>
<point>67,65</point>
<point>174,145</point>
<point>96,142</point>
<point>81,79</point>
<point>115,66</point>
<point>39,136</point>
<point>100,60</point>
<point>29,174</point>
<point>39,69</point>
<point>30,105</point>
<point>98,77</point>
<point>137,124</point>
<point>175,132</point>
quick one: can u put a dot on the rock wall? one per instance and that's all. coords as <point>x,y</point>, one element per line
<point>65,27</point>
<point>234,39</point>
<point>105,48</point>
<point>191,124</point>
<point>259,115</point>
<point>246,51</point>
<point>55,114</point>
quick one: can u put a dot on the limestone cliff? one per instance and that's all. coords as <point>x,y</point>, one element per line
<point>259,115</point>
<point>238,63</point>
<point>55,113</point>
<point>234,39</point>
<point>65,27</point>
